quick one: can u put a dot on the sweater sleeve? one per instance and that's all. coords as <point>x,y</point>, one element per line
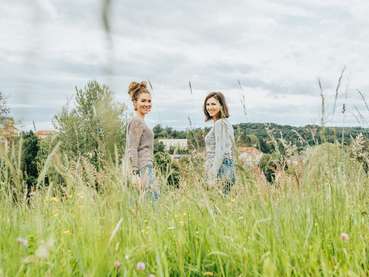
<point>135,131</point>
<point>220,147</point>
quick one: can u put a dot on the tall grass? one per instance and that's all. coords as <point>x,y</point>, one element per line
<point>316,228</point>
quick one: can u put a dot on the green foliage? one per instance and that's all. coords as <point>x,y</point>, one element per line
<point>168,132</point>
<point>159,147</point>
<point>195,137</point>
<point>11,171</point>
<point>29,162</point>
<point>167,167</point>
<point>359,151</point>
<point>94,129</point>
<point>52,171</point>
<point>4,109</point>
<point>173,150</point>
<point>269,165</point>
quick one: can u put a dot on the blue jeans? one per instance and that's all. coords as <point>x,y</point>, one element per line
<point>148,180</point>
<point>226,175</point>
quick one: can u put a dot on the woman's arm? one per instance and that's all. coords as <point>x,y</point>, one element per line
<point>135,130</point>
<point>220,137</point>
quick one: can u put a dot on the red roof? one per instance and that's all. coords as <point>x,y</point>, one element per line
<point>250,150</point>
<point>44,133</point>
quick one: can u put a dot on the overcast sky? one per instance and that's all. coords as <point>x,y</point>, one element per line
<point>276,50</point>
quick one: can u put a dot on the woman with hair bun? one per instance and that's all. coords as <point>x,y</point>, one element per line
<point>140,140</point>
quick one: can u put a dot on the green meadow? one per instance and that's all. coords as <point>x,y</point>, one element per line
<point>313,222</point>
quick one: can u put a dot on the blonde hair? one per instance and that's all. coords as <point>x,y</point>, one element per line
<point>135,89</point>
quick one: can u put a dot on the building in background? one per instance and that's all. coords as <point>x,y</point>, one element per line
<point>42,134</point>
<point>176,144</point>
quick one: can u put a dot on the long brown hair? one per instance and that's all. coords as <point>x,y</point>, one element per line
<point>224,113</point>
<point>135,89</point>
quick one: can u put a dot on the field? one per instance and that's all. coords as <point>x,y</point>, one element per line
<point>312,222</point>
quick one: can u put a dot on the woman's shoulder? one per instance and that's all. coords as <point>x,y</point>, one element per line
<point>222,122</point>
<point>223,126</point>
<point>136,119</point>
<point>135,122</point>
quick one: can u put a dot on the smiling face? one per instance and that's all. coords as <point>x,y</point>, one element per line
<point>143,104</point>
<point>213,107</point>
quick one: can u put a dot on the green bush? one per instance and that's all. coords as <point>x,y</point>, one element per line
<point>167,167</point>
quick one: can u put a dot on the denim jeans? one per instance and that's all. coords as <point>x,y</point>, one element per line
<point>226,175</point>
<point>148,179</point>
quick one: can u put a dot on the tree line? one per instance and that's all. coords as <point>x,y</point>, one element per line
<point>263,136</point>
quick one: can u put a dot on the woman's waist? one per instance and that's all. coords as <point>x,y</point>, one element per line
<point>145,156</point>
<point>212,155</point>
<point>145,151</point>
<point>227,160</point>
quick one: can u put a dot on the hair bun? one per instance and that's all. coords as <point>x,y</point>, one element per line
<point>135,86</point>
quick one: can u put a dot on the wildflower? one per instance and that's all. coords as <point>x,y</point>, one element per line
<point>22,241</point>
<point>344,236</point>
<point>140,266</point>
<point>67,232</point>
<point>151,275</point>
<point>54,199</point>
<point>208,273</point>
<point>43,250</point>
<point>117,265</point>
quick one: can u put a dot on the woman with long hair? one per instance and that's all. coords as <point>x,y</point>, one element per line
<point>219,142</point>
<point>140,141</point>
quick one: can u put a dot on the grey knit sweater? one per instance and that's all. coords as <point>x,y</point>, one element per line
<point>140,143</point>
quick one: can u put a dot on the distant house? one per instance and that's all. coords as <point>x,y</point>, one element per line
<point>181,144</point>
<point>8,131</point>
<point>42,134</point>
<point>250,156</point>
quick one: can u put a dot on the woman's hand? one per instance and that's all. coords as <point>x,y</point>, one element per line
<point>211,181</point>
<point>136,180</point>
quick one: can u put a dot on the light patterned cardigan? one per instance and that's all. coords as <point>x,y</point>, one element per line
<point>219,143</point>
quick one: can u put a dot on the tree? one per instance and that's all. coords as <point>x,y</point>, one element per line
<point>29,162</point>
<point>4,110</point>
<point>94,129</point>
